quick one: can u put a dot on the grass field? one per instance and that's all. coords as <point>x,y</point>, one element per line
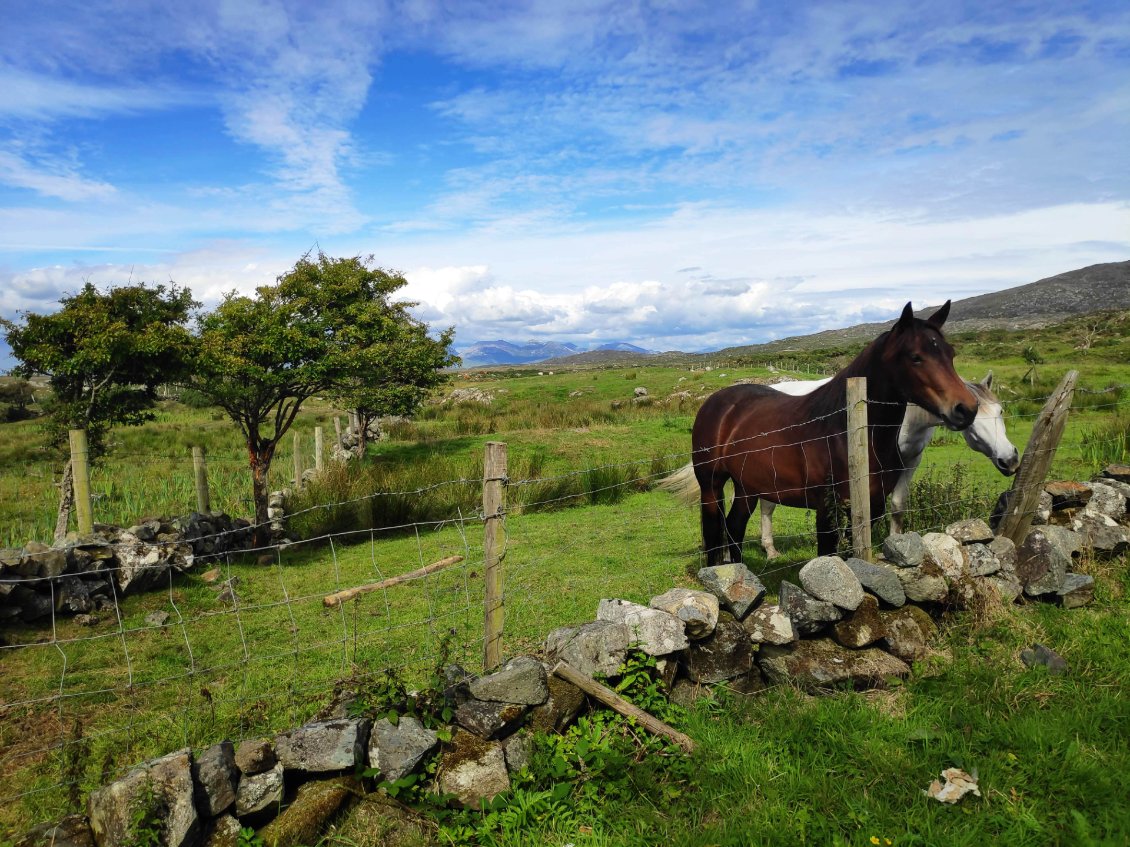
<point>78,704</point>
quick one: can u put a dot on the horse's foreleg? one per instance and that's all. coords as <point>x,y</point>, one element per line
<point>767,529</point>
<point>737,520</point>
<point>900,497</point>
<point>713,522</point>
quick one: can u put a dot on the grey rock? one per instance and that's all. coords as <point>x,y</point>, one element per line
<point>223,832</point>
<point>1068,494</point>
<point>255,756</point>
<point>259,791</point>
<point>1102,534</point>
<point>216,778</point>
<point>910,632</point>
<point>521,680</point>
<point>489,720</point>
<point>862,627</point>
<point>1005,551</point>
<point>1077,590</point>
<point>724,655</point>
<point>46,561</point>
<point>973,530</point>
<point>1006,584</point>
<point>769,624</point>
<point>1106,500</point>
<point>945,552</point>
<point>86,620</point>
<point>1118,472</point>
<point>73,595</point>
<point>698,610</point>
<point>880,580</point>
<point>904,549</point>
<point>32,605</point>
<point>808,614</point>
<point>140,566</point>
<point>1041,565</point>
<point>1068,541</point>
<point>473,770</point>
<point>518,750</point>
<point>321,746</point>
<point>653,631</point>
<point>1039,655</point>
<point>159,618</point>
<point>979,559</point>
<point>924,584</point>
<point>111,809</point>
<point>396,751</point>
<point>735,586</point>
<point>829,578</point>
<point>820,663</point>
<point>595,649</point>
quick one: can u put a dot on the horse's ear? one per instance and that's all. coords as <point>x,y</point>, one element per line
<point>939,317</point>
<point>906,319</point>
<point>987,382</point>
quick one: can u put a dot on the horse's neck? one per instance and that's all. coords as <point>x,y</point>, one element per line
<point>917,429</point>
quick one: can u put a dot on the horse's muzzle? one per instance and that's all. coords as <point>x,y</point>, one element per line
<point>961,416</point>
<point>1010,465</point>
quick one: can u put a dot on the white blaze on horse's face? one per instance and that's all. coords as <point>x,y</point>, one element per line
<point>987,435</point>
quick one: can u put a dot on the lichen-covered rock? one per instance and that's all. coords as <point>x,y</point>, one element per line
<point>164,784</point>
<point>979,559</point>
<point>1041,565</point>
<point>821,663</point>
<point>71,831</point>
<point>521,680</point>
<point>1005,551</point>
<point>473,769</point>
<point>904,549</point>
<point>724,655</point>
<point>862,627</point>
<point>973,530</point>
<point>1077,590</point>
<point>880,580</point>
<point>1102,534</point>
<point>259,791</point>
<point>595,649</point>
<point>396,751</point>
<point>304,820</point>
<point>223,832</point>
<point>809,615</point>
<point>323,746</point>
<point>945,552</point>
<point>768,624</point>
<point>488,720</point>
<point>924,584</point>
<point>1106,500</point>
<point>653,631</point>
<point>829,578</point>
<point>910,632</point>
<point>1038,655</point>
<point>698,610</point>
<point>1068,494</point>
<point>735,586</point>
<point>255,755</point>
<point>557,712</point>
<point>518,750</point>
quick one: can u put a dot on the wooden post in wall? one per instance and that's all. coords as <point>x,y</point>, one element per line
<point>859,467</point>
<point>319,449</point>
<point>200,475</point>
<point>494,550</point>
<point>80,463</point>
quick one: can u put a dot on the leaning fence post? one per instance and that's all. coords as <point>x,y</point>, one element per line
<point>1038,454</point>
<point>859,467</point>
<point>494,540</point>
<point>200,473</point>
<point>80,463</point>
<point>319,448</point>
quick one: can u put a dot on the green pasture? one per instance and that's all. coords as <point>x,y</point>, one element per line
<point>583,523</point>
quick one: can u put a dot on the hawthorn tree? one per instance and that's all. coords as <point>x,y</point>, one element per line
<point>105,353</point>
<point>327,326</point>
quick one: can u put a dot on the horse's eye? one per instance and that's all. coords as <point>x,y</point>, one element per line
<point>914,357</point>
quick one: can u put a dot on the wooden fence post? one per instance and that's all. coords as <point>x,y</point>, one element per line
<point>1038,454</point>
<point>337,432</point>
<point>80,463</point>
<point>494,541</point>
<point>297,460</point>
<point>859,467</point>
<point>319,449</point>
<point>200,472</point>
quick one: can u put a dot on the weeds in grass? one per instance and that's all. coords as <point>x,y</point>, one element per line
<point>1108,442</point>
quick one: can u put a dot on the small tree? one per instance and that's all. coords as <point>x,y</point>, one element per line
<point>105,353</point>
<point>326,325</point>
<point>16,395</point>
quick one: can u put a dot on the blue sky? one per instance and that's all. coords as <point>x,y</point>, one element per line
<point>680,175</point>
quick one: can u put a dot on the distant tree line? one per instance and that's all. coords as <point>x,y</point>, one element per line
<point>328,327</point>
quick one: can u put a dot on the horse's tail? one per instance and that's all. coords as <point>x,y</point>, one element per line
<point>682,483</point>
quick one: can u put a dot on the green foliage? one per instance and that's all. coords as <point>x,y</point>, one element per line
<point>105,353</point>
<point>939,497</point>
<point>248,837</point>
<point>16,395</point>
<point>147,818</point>
<point>1108,442</point>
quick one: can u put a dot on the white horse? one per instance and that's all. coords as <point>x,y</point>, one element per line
<point>985,435</point>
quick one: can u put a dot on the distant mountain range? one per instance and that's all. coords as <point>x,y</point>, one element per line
<point>502,352</point>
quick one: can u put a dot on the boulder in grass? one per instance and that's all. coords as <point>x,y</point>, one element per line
<point>216,778</point>
<point>521,680</point>
<point>1039,655</point>
<point>1102,534</point>
<point>698,610</point>
<point>489,720</point>
<point>735,586</point>
<point>595,649</point>
<point>304,820</point>
<point>259,791</point>
<point>1005,551</point>
<point>255,755</point>
<point>71,831</point>
<point>1078,589</point>
<point>829,578</point>
<point>809,615</point>
<point>557,712</point>
<point>653,631</point>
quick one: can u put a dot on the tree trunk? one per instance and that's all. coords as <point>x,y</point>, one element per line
<point>260,465</point>
<point>66,503</point>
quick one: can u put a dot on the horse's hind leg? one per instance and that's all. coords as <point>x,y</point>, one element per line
<point>713,520</point>
<point>767,529</point>
<point>827,530</point>
<point>737,520</point>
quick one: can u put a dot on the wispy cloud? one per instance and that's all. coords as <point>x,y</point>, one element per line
<point>50,178</point>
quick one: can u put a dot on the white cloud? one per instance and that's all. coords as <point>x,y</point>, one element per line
<point>50,179</point>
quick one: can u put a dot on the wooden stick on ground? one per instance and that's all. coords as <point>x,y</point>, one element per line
<point>350,593</point>
<point>614,701</point>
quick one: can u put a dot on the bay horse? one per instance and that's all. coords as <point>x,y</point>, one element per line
<point>793,450</point>
<point>986,435</point>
